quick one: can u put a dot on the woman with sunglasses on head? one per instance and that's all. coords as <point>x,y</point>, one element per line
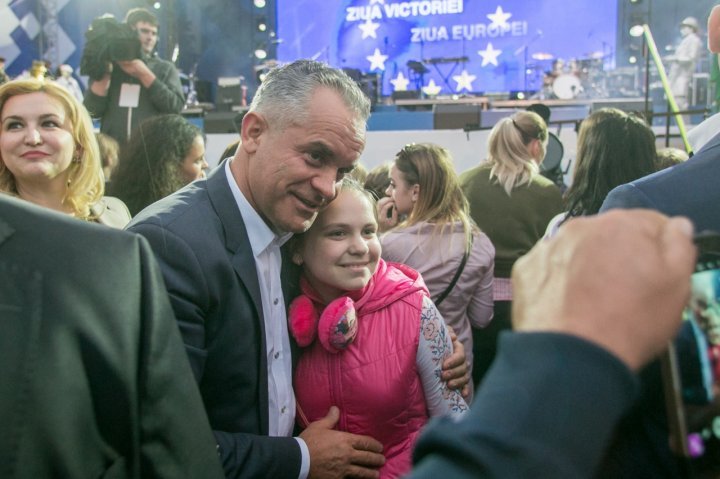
<point>49,155</point>
<point>613,148</point>
<point>512,203</point>
<point>438,238</point>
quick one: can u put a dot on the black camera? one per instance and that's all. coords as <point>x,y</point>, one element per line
<point>108,40</point>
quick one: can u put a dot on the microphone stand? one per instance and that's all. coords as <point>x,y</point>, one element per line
<point>524,49</point>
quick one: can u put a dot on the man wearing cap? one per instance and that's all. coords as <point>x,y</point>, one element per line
<point>684,60</point>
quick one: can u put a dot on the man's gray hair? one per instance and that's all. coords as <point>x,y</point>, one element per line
<point>285,94</point>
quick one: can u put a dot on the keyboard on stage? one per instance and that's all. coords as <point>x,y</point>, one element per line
<point>435,61</point>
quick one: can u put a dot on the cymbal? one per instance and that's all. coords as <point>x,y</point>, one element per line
<point>542,56</point>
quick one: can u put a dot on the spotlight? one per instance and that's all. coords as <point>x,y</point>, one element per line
<point>261,24</point>
<point>632,60</point>
<point>636,31</point>
<point>261,54</point>
<point>259,3</point>
<point>156,5</point>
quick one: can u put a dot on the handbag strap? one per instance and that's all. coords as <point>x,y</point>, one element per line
<point>459,271</point>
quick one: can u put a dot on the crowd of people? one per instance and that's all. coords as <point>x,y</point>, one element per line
<point>422,323</point>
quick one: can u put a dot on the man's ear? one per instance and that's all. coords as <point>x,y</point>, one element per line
<point>253,127</point>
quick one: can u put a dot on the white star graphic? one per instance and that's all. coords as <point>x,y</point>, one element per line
<point>499,18</point>
<point>464,81</point>
<point>400,83</point>
<point>431,89</point>
<point>369,29</point>
<point>489,55</point>
<point>377,60</point>
<point>373,2</point>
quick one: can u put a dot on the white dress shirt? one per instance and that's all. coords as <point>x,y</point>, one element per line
<point>266,244</point>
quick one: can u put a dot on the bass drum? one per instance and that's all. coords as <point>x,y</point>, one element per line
<point>553,154</point>
<point>567,86</point>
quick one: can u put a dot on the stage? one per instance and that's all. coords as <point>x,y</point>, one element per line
<point>461,125</point>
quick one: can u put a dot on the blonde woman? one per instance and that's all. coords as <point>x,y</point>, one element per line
<point>511,203</point>
<point>49,155</point>
<point>438,238</point>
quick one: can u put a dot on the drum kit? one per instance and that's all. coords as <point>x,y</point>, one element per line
<point>574,78</point>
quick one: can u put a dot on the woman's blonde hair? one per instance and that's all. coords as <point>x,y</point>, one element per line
<point>508,154</point>
<point>85,182</point>
<point>441,200</point>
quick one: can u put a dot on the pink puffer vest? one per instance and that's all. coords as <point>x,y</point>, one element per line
<point>375,381</point>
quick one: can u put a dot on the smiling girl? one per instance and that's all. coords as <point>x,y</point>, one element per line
<point>375,341</point>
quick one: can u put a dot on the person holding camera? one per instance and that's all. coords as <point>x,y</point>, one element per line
<point>133,89</point>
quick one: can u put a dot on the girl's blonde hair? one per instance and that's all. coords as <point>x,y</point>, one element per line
<point>441,200</point>
<point>508,154</point>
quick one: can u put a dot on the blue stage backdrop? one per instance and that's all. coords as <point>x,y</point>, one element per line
<point>465,45</point>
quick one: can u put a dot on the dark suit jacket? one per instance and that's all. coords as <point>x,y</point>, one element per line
<point>199,237</point>
<point>546,409</point>
<point>690,189</point>
<point>94,381</point>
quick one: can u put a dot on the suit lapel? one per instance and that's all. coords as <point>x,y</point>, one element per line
<point>237,243</point>
<point>236,237</point>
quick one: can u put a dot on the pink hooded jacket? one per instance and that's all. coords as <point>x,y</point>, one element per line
<point>375,381</point>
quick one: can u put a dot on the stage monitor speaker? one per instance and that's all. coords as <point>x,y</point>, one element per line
<point>204,91</point>
<point>627,105</point>
<point>489,118</point>
<point>405,95</point>
<point>521,94</point>
<point>220,122</point>
<point>456,117</point>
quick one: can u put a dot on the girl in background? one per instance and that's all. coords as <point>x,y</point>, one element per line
<point>511,203</point>
<point>438,238</point>
<point>164,153</point>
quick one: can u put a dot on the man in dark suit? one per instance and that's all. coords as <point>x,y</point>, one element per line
<point>219,245</point>
<point>690,189</point>
<point>219,242</point>
<point>94,381</point>
<point>592,306</point>
<point>641,448</point>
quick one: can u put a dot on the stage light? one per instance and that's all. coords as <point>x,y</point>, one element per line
<point>261,54</point>
<point>520,95</point>
<point>261,24</point>
<point>636,31</point>
<point>632,60</point>
<point>259,3</point>
<point>156,5</point>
